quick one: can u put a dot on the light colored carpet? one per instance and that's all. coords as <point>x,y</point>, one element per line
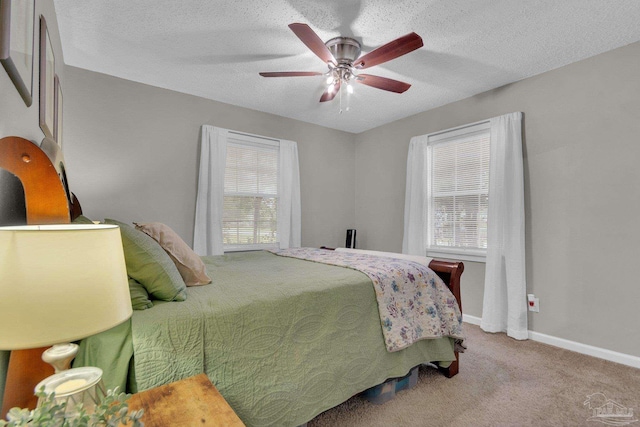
<point>502,382</point>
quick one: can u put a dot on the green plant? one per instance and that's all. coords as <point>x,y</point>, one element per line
<point>110,412</point>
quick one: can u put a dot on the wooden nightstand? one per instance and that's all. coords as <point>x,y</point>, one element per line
<point>193,401</point>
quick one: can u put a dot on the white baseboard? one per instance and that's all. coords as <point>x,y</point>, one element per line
<point>471,319</point>
<point>589,350</point>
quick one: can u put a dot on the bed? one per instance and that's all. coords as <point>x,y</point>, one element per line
<point>283,339</point>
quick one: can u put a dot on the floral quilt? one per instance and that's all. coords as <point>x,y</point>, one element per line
<point>414,303</point>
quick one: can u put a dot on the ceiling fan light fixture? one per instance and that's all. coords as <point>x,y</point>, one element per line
<point>349,89</point>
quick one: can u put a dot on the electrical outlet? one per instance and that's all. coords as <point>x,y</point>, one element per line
<point>534,303</point>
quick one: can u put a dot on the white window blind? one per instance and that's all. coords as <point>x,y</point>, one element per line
<point>458,191</point>
<point>250,196</point>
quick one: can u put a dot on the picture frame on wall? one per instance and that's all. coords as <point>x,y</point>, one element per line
<point>47,82</point>
<point>58,111</point>
<point>16,44</point>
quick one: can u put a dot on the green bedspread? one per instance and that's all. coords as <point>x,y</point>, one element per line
<point>281,338</point>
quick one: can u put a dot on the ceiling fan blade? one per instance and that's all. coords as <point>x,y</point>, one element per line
<point>313,42</point>
<point>383,83</point>
<point>329,94</point>
<point>389,51</point>
<point>290,74</point>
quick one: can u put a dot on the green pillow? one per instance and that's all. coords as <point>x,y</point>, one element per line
<point>81,219</point>
<point>150,265</point>
<point>139,295</point>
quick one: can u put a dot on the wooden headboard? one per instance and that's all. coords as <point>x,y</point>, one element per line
<point>47,201</point>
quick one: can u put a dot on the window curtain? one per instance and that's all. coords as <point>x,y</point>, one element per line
<point>505,304</point>
<point>289,209</point>
<point>207,234</point>
<point>414,241</point>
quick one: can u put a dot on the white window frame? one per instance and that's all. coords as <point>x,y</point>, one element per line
<point>457,133</point>
<point>239,139</point>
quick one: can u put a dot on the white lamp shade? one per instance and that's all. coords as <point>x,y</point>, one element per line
<point>60,283</point>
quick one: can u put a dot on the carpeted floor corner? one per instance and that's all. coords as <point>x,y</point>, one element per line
<point>502,382</point>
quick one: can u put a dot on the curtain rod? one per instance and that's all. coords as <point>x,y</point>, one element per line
<point>254,136</point>
<point>459,127</point>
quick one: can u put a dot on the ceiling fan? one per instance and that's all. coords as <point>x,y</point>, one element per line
<point>342,56</point>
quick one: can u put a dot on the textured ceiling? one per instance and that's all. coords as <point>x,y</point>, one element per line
<point>215,49</point>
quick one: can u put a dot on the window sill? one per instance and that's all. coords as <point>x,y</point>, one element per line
<point>457,256</point>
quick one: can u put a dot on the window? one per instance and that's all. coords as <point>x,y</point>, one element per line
<point>248,193</point>
<point>250,209</point>
<point>458,191</point>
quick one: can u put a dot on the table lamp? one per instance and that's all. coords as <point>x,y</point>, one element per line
<point>60,283</point>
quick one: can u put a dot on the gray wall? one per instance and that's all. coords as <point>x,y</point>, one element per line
<point>582,193</point>
<point>16,119</point>
<point>132,154</point>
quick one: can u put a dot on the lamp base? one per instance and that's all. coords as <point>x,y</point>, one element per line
<point>75,386</point>
<point>60,356</point>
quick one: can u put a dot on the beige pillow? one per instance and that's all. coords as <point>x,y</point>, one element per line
<point>189,264</point>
